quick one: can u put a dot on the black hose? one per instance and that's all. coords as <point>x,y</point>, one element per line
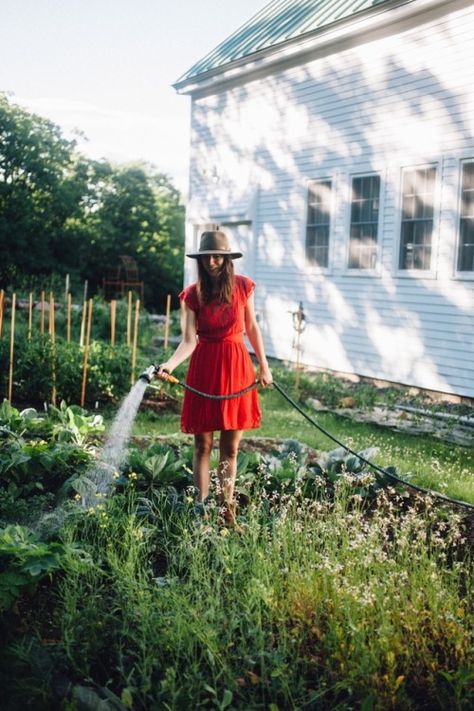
<point>381,470</point>
<point>313,422</point>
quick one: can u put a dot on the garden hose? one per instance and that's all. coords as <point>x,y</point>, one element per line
<point>380,470</point>
<point>149,373</point>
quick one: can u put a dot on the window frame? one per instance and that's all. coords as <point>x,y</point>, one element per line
<point>376,269</point>
<point>467,275</point>
<point>310,266</point>
<point>411,273</point>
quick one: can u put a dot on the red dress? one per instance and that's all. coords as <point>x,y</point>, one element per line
<point>220,365</point>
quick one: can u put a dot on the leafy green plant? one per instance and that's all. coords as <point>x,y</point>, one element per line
<point>157,466</point>
<point>36,361</point>
<point>73,424</point>
<point>25,560</point>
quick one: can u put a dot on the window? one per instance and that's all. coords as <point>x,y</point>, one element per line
<point>318,222</point>
<point>364,222</point>
<point>466,222</point>
<point>417,218</point>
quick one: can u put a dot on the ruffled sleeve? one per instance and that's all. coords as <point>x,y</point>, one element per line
<point>190,298</point>
<point>247,287</point>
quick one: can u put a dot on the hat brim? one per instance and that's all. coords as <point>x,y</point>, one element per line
<point>221,253</point>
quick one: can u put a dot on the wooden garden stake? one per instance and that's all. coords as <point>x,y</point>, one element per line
<point>83,323</point>
<point>12,347</point>
<point>42,314</point>
<point>30,315</point>
<point>113,312</point>
<point>51,314</point>
<point>2,301</point>
<point>167,320</point>
<point>86,354</point>
<point>68,317</point>
<point>135,341</point>
<point>129,319</point>
<point>52,334</point>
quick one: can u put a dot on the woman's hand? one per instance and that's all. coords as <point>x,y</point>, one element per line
<point>163,371</point>
<point>265,376</point>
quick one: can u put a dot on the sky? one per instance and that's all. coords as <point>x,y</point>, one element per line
<point>105,68</point>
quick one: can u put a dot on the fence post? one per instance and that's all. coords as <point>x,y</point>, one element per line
<point>113,313</point>
<point>167,320</point>
<point>12,347</point>
<point>135,341</point>
<point>30,315</point>
<point>2,301</point>
<point>129,319</point>
<point>42,314</point>
<point>86,354</point>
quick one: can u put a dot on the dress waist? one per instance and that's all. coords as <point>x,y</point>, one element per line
<point>230,338</point>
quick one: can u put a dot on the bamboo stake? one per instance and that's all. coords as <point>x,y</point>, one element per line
<point>52,333</point>
<point>167,320</point>
<point>68,317</point>
<point>86,354</point>
<point>135,341</point>
<point>30,315</point>
<point>12,346</point>
<point>129,319</point>
<point>50,315</point>
<point>113,313</point>
<point>42,314</point>
<point>83,323</point>
<point>2,301</point>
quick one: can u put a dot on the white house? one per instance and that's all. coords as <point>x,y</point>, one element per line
<point>335,139</point>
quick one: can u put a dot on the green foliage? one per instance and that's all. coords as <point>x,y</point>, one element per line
<point>25,560</point>
<point>36,360</point>
<point>331,578</point>
<point>61,212</point>
<point>157,466</point>
<point>313,604</point>
<point>39,455</point>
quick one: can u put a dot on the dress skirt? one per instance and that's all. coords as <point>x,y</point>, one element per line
<point>220,367</point>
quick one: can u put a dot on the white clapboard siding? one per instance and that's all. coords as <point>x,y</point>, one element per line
<point>402,100</point>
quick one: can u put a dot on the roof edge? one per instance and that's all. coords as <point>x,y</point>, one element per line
<point>371,18</point>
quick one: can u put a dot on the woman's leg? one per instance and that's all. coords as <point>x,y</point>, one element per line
<point>202,455</point>
<point>228,450</point>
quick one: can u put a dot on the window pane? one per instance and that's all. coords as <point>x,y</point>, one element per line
<point>417,218</point>
<point>466,246</point>
<point>466,222</point>
<point>364,222</point>
<point>318,222</point>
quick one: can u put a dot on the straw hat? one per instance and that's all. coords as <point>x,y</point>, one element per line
<point>215,242</point>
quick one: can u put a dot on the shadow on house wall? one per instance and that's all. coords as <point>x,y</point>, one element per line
<point>374,108</point>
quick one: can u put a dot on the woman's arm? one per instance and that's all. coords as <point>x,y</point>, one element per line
<point>254,335</point>
<point>187,344</point>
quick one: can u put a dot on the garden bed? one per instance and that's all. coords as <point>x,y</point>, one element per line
<point>441,424</point>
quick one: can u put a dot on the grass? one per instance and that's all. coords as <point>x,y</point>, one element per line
<point>332,601</point>
<point>430,463</point>
<point>315,605</point>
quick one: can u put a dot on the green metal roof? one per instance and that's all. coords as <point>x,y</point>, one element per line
<point>279,21</point>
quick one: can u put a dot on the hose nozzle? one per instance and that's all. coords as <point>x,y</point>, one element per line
<point>148,374</point>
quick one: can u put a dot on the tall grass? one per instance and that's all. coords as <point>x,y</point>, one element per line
<point>314,604</point>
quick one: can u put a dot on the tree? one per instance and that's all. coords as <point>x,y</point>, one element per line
<point>62,212</point>
<point>35,196</point>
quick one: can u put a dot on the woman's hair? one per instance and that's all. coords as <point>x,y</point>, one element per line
<point>225,284</point>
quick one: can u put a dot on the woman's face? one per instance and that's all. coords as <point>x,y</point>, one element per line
<point>213,264</point>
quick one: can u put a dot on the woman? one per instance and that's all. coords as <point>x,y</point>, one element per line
<point>215,312</point>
